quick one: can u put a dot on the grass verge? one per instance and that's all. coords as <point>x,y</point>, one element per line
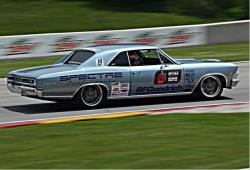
<point>225,52</point>
<point>174,141</point>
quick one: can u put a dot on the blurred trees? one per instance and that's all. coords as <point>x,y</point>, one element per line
<point>237,9</point>
<point>232,9</point>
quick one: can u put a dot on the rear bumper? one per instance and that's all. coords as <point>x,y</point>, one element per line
<point>25,91</point>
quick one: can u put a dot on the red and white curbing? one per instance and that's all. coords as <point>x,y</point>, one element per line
<point>212,108</point>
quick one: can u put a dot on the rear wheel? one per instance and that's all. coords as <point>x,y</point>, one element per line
<point>91,96</point>
<point>210,87</point>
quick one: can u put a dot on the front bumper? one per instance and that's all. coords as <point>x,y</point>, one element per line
<point>25,91</point>
<point>235,82</point>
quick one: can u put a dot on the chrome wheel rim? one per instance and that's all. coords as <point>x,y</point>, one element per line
<point>210,86</point>
<point>91,95</point>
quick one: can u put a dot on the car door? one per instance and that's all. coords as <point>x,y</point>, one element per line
<point>120,87</point>
<point>155,77</point>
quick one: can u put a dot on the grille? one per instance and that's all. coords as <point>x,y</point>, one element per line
<point>21,80</point>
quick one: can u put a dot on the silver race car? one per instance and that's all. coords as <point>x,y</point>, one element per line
<point>95,74</point>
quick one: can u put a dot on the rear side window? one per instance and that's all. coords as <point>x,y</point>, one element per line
<point>79,57</point>
<point>120,60</point>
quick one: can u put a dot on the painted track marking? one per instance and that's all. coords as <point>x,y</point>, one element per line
<point>111,115</point>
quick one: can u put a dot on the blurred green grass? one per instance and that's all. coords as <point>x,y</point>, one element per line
<point>224,52</point>
<point>43,16</point>
<point>173,141</point>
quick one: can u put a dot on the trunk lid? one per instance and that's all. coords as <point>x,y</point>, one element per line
<point>35,72</point>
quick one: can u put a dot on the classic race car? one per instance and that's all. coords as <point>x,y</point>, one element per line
<point>94,74</point>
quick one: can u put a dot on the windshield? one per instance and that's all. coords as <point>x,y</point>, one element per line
<point>78,57</point>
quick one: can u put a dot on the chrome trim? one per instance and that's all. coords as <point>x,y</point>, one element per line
<point>149,95</point>
<point>39,93</point>
<point>21,79</point>
<point>127,97</point>
<point>29,91</point>
<point>234,82</point>
<point>57,97</point>
<point>235,79</point>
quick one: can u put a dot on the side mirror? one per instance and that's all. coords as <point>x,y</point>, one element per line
<point>163,65</point>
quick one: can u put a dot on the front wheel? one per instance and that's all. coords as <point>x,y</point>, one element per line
<point>210,87</point>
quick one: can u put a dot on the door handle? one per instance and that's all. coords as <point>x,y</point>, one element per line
<point>136,72</point>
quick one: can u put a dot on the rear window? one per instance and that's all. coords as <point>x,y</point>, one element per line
<point>80,57</point>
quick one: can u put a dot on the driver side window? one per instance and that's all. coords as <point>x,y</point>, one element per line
<point>144,57</point>
<point>134,58</point>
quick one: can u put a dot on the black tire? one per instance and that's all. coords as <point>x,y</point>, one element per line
<point>210,87</point>
<point>90,96</point>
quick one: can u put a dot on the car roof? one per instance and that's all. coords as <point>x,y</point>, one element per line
<point>108,52</point>
<point>118,47</point>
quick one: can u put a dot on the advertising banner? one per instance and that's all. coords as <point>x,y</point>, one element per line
<point>54,44</point>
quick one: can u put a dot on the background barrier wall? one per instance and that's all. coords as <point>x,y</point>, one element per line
<point>54,44</point>
<point>231,32</point>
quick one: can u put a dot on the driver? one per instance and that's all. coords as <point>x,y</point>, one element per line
<point>132,58</point>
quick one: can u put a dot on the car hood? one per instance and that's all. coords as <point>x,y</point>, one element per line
<point>193,61</point>
<point>35,72</point>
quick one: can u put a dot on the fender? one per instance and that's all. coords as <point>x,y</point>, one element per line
<point>210,74</point>
<point>90,84</point>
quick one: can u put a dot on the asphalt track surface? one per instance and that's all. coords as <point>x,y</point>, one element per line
<point>14,107</point>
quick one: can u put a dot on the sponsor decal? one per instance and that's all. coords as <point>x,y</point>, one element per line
<point>68,43</point>
<point>20,46</point>
<point>105,40</point>
<point>155,90</point>
<point>146,38</point>
<point>119,89</point>
<point>167,76</point>
<point>124,89</point>
<point>99,62</point>
<point>172,79</point>
<point>160,78</point>
<point>91,76</point>
<point>181,36</point>
<point>189,80</point>
<point>189,76</point>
